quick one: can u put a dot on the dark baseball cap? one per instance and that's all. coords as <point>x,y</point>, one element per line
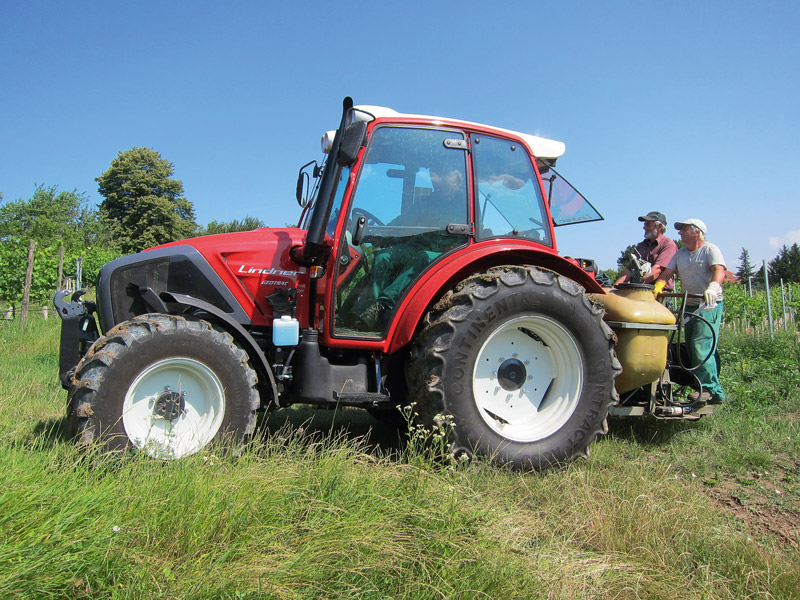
<point>654,215</point>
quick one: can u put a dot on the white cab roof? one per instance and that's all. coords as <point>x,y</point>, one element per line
<point>541,147</point>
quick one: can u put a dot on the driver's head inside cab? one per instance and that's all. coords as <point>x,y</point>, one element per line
<point>440,198</point>
<point>448,185</point>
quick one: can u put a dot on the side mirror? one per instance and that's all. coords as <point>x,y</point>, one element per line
<point>304,184</point>
<point>352,141</point>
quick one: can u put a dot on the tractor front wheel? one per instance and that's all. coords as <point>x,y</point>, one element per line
<point>166,385</point>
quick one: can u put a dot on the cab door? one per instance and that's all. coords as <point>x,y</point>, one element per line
<point>411,186</point>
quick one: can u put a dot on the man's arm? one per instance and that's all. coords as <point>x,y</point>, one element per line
<point>719,273</point>
<point>624,277</point>
<point>664,258</point>
<point>666,273</point>
<point>655,271</point>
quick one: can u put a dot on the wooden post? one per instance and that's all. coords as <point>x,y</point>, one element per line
<point>60,267</point>
<point>26,291</point>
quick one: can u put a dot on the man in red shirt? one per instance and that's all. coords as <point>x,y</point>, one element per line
<point>656,249</point>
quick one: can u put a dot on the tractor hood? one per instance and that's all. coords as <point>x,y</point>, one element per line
<point>234,272</point>
<point>254,265</point>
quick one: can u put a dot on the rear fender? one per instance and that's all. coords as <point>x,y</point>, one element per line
<point>435,282</point>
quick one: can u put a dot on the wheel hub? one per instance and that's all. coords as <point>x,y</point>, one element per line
<point>169,405</point>
<point>512,374</point>
<point>527,378</point>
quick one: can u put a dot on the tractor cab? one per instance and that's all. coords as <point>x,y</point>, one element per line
<point>409,194</point>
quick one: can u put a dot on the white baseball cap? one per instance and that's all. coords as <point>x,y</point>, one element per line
<point>695,222</point>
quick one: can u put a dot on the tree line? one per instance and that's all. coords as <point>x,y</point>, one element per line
<point>143,206</point>
<point>784,267</point>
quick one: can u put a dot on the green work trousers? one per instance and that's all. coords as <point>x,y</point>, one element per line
<point>702,340</point>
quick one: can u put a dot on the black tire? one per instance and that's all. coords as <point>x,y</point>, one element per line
<point>523,363</point>
<point>165,385</point>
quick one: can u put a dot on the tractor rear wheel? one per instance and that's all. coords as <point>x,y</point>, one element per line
<point>165,385</point>
<point>523,363</point>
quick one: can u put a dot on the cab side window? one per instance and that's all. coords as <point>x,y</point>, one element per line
<point>508,201</point>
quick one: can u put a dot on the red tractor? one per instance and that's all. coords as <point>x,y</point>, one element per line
<point>424,269</point>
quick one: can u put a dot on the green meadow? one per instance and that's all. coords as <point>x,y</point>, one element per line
<point>332,504</point>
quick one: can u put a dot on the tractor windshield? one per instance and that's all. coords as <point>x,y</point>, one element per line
<point>344,174</point>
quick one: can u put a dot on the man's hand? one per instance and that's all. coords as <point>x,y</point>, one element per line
<point>711,294</point>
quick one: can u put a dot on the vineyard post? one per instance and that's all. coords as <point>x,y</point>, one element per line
<point>79,273</point>
<point>26,291</point>
<point>769,301</point>
<point>783,302</point>
<point>60,267</point>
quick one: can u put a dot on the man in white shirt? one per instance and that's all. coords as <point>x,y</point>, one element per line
<point>701,269</point>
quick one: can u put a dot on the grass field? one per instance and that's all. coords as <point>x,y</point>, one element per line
<point>314,509</point>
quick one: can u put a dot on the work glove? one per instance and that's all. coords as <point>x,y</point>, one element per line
<point>710,295</point>
<point>658,287</point>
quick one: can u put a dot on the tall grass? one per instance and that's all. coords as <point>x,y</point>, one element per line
<point>313,509</point>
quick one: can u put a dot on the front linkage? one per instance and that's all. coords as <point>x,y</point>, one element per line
<point>78,331</point>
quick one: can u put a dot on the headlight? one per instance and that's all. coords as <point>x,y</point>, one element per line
<point>327,141</point>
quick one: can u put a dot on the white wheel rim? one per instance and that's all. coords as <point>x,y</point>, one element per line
<point>202,408</point>
<point>526,388</point>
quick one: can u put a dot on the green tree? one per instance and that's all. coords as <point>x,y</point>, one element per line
<point>143,205</point>
<point>94,257</point>
<point>786,265</point>
<point>13,257</point>
<point>746,270</point>
<point>247,224</point>
<point>51,217</point>
<point>625,257</point>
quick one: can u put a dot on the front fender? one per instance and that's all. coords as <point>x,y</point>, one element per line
<point>266,379</point>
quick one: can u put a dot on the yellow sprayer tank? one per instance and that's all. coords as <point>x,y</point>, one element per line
<point>642,326</point>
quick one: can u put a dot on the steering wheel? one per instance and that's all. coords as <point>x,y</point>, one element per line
<point>371,219</point>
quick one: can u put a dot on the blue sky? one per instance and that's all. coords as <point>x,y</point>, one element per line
<point>690,108</point>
